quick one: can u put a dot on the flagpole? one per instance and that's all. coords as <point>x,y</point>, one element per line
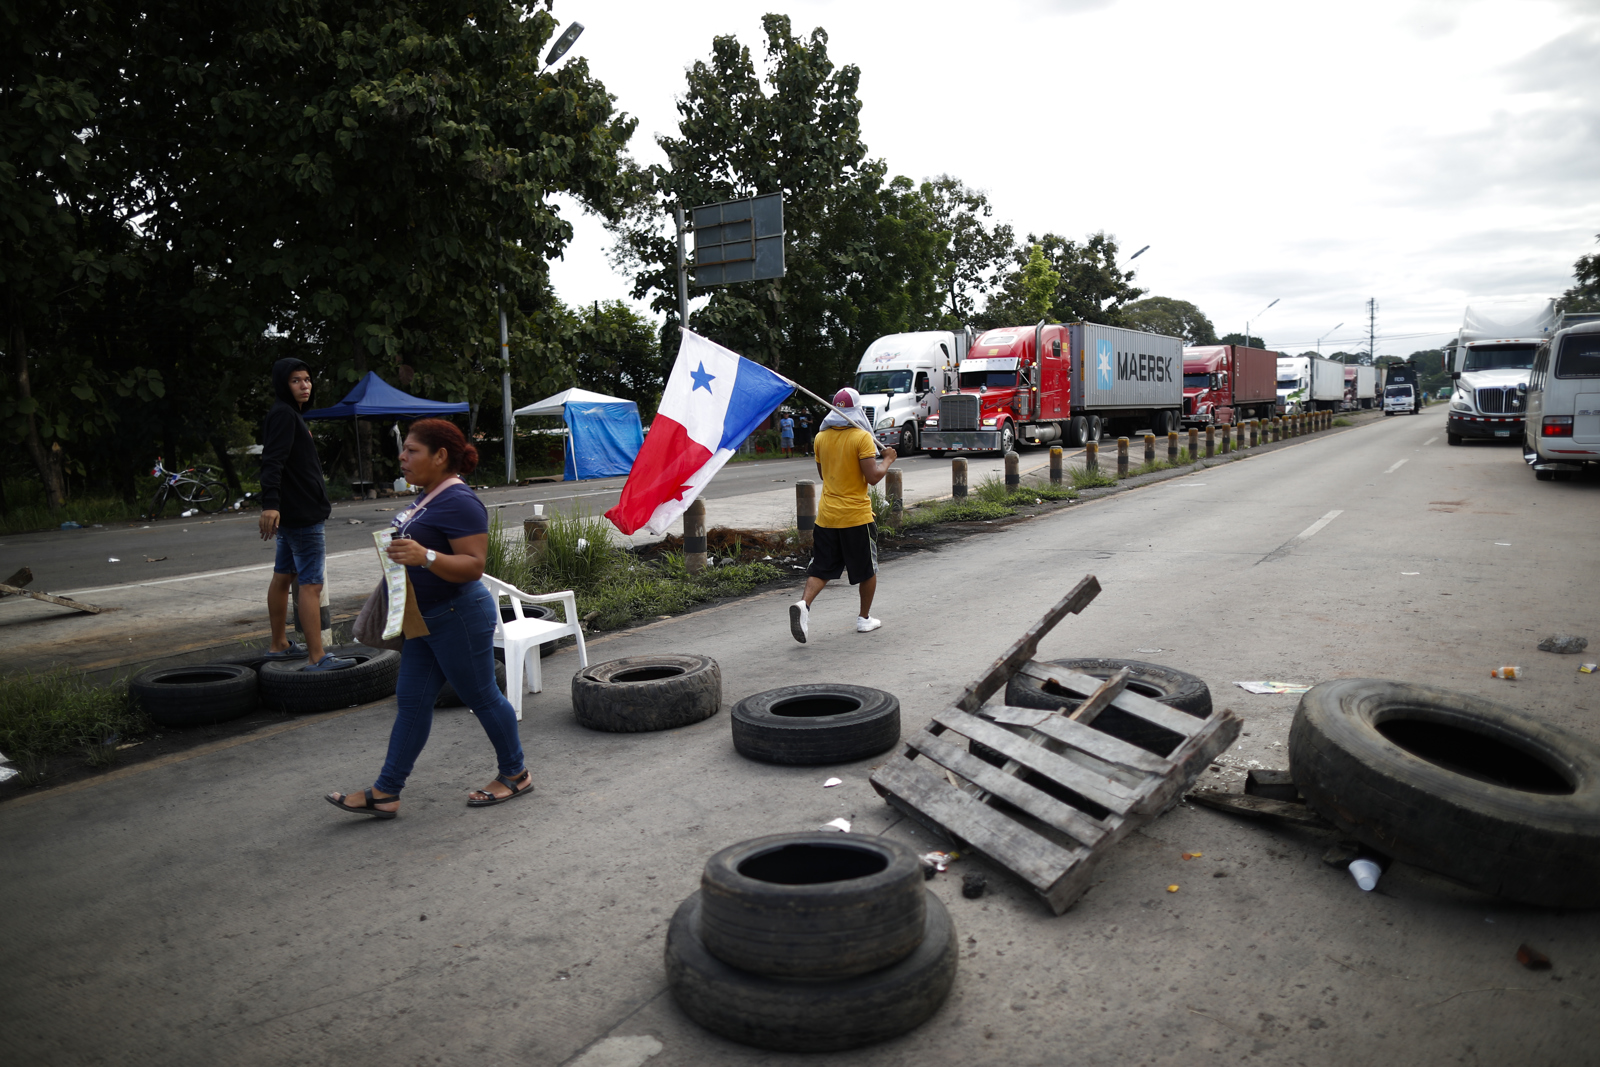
<point>829,404</point>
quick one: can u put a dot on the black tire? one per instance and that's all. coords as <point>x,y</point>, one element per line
<point>1177,689</point>
<point>662,691</point>
<point>210,498</point>
<point>1471,789</point>
<point>289,687</point>
<point>534,611</point>
<point>1545,476</point>
<point>158,503</point>
<point>802,725</point>
<point>908,440</point>
<point>1096,427</point>
<point>812,905</point>
<point>1079,434</point>
<point>196,695</point>
<point>807,1015</point>
<point>1008,439</point>
<point>1452,438</point>
<point>449,698</point>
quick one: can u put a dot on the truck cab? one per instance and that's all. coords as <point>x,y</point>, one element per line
<point>1490,360</point>
<point>1400,399</point>
<point>901,378</point>
<point>1207,389</point>
<point>1011,387</point>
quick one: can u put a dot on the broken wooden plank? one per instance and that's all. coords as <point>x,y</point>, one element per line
<point>1132,703</point>
<point>1217,734</point>
<point>1103,791</point>
<point>1102,697</point>
<point>50,598</point>
<point>999,672</point>
<point>927,798</point>
<point>1259,807</point>
<point>1274,785</point>
<point>1111,749</point>
<point>1015,791</point>
<point>23,576</point>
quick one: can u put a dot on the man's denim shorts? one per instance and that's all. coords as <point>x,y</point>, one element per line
<point>301,550</point>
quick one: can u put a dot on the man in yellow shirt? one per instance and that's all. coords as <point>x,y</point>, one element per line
<point>845,538</point>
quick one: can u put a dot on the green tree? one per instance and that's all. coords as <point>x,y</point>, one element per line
<point>1175,318</point>
<point>1092,288</point>
<point>1585,296</point>
<point>1038,286</point>
<point>861,253</point>
<point>978,253</point>
<point>1252,341</point>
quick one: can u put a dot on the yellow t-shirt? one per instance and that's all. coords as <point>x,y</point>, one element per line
<point>844,488</point>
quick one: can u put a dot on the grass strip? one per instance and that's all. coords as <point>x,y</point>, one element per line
<point>56,712</point>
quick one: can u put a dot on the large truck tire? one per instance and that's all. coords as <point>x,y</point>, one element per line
<point>1455,784</point>
<point>661,691</point>
<point>815,723</point>
<point>196,695</point>
<point>807,1014</point>
<point>1079,434</point>
<point>1177,689</point>
<point>290,687</point>
<point>819,904</point>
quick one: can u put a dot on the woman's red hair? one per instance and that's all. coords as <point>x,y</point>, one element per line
<point>435,434</point>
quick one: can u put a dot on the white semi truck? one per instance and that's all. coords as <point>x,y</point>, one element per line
<point>1490,360</point>
<point>1309,383</point>
<point>900,379</point>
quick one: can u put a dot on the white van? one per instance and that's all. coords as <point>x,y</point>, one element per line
<point>900,379</point>
<point>1562,428</point>
<point>1399,400</point>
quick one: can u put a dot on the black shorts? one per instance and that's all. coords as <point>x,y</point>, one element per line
<point>835,549</point>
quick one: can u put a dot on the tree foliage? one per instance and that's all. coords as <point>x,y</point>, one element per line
<point>1091,287</point>
<point>1175,318</point>
<point>1585,296</point>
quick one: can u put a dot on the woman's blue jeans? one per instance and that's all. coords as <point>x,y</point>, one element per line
<point>459,649</point>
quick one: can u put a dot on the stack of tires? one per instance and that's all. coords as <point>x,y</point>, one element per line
<point>811,942</point>
<point>208,693</point>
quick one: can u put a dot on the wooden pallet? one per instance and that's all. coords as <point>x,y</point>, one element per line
<point>1066,792</point>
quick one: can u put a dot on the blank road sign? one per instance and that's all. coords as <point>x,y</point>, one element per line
<point>739,240</point>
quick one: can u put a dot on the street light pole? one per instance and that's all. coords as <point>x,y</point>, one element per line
<point>1324,337</point>
<point>1257,315</point>
<point>509,422</point>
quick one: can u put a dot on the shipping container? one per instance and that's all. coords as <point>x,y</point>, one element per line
<point>1116,370</point>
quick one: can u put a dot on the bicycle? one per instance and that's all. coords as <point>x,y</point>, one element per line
<point>207,496</point>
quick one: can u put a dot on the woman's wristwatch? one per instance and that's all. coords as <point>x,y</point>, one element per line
<point>428,563</point>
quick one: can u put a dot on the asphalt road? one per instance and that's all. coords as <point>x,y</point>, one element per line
<point>67,560</point>
<point>216,910</point>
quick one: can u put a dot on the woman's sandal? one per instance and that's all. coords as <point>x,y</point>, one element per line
<point>369,808</point>
<point>510,783</point>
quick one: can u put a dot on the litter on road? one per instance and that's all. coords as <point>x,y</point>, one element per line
<point>842,825</point>
<point>831,782</point>
<point>1566,644</point>
<point>1268,688</point>
<point>1511,672</point>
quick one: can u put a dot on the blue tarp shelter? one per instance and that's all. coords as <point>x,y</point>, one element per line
<point>603,432</point>
<point>374,398</point>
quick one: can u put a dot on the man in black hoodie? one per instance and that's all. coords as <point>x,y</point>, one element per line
<point>294,505</point>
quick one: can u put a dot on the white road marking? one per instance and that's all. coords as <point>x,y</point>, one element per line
<point>205,574</point>
<point>1430,441</point>
<point>1397,466</point>
<point>1319,524</point>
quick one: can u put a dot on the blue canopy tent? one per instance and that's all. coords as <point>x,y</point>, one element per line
<point>603,432</point>
<point>374,398</point>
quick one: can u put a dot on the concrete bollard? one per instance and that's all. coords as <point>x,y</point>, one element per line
<point>1013,472</point>
<point>536,535</point>
<point>1227,437</point>
<point>805,509</point>
<point>694,537</point>
<point>1122,457</point>
<point>1149,448</point>
<point>1194,443</point>
<point>1211,440</point>
<point>1055,464</point>
<point>1091,457</point>
<point>1172,446</point>
<point>1255,432</point>
<point>958,479</point>
<point>893,488</point>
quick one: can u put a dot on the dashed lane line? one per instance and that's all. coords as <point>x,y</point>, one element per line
<point>1397,465</point>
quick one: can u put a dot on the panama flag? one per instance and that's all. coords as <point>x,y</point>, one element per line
<point>714,400</point>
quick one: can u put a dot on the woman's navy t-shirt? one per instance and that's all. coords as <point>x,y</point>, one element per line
<point>456,512</point>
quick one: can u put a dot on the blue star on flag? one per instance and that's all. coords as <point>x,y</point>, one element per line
<point>702,380</point>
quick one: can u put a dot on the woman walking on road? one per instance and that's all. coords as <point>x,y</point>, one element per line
<point>443,541</point>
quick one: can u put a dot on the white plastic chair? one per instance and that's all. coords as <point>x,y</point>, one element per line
<point>521,637</point>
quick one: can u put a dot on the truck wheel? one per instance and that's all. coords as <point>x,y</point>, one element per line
<point>1094,428</point>
<point>908,440</point>
<point>1545,476</point>
<point>805,1015</point>
<point>1462,786</point>
<point>195,695</point>
<point>818,904</point>
<point>660,691</point>
<point>1177,689</point>
<point>1452,438</point>
<point>1008,439</point>
<point>815,723</point>
<point>1079,431</point>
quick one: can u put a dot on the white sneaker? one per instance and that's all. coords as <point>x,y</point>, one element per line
<point>866,626</point>
<point>799,620</point>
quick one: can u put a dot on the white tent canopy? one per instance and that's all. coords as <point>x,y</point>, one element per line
<point>556,405</point>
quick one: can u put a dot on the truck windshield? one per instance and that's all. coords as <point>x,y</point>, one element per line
<point>1197,381</point>
<point>994,379</point>
<point>884,381</point>
<point>1289,383</point>
<point>1499,357</point>
<point>1397,390</point>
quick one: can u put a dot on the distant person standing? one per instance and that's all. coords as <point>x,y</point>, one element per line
<point>786,436</point>
<point>802,433</point>
<point>294,505</point>
<point>845,538</point>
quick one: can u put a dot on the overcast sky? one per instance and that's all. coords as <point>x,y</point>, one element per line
<point>1415,151</point>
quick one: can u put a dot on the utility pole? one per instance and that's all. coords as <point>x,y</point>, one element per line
<point>1372,330</point>
<point>683,277</point>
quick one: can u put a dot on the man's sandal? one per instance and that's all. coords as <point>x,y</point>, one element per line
<point>526,777</point>
<point>369,808</point>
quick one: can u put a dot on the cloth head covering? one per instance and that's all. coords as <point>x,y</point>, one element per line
<point>852,415</point>
<point>280,379</point>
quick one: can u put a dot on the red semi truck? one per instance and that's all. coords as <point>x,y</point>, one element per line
<point>1052,382</point>
<point>1224,384</point>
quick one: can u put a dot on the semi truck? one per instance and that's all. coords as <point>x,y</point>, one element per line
<point>1360,387</point>
<point>1309,383</point>
<point>1225,384</point>
<point>1051,382</point>
<point>1490,360</point>
<point>900,379</point>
